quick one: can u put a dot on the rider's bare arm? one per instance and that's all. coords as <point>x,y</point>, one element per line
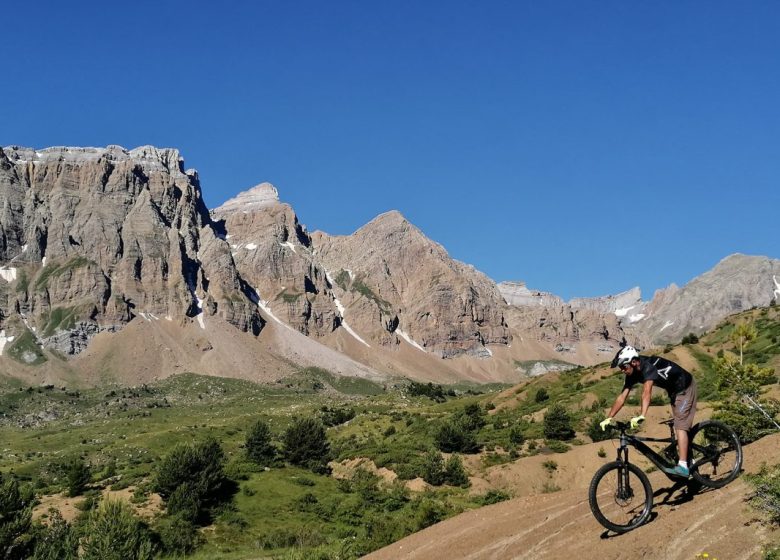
<point>621,398</point>
<point>647,393</point>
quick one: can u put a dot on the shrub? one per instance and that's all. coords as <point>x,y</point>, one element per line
<point>516,435</point>
<point>767,492</point>
<point>336,416</point>
<point>595,433</point>
<point>305,444</point>
<point>15,518</point>
<point>557,423</point>
<point>453,437</point>
<point>191,479</point>
<point>493,497</point>
<point>690,338</point>
<point>748,423</point>
<point>657,400</point>
<point>454,472</point>
<point>185,502</point>
<point>177,535</point>
<point>113,532</point>
<point>428,512</point>
<point>57,540</point>
<point>78,476</point>
<point>541,395</point>
<point>433,468</point>
<point>259,448</point>
<point>433,392</point>
<point>472,417</point>
<point>366,485</point>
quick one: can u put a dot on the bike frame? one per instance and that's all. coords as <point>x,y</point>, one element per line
<point>656,458</point>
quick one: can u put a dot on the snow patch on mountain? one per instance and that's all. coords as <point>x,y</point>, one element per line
<point>408,339</point>
<point>288,245</point>
<point>8,274</point>
<point>199,316</point>
<point>4,340</point>
<point>340,307</point>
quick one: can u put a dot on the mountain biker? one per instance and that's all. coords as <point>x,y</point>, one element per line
<point>679,384</point>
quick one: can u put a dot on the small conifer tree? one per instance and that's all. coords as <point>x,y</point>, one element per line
<point>259,448</point>
<point>113,532</point>
<point>557,423</point>
<point>305,444</point>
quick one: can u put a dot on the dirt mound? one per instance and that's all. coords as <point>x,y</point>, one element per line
<point>560,525</point>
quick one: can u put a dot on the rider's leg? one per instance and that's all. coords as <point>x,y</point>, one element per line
<point>682,445</point>
<point>683,409</point>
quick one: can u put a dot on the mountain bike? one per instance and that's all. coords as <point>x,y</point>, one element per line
<point>620,494</point>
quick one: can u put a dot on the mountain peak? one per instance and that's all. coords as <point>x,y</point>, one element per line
<point>390,217</point>
<point>259,196</point>
<point>148,157</point>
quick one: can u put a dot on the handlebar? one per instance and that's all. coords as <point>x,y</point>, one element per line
<point>625,426</point>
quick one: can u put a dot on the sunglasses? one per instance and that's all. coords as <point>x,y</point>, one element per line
<point>624,367</point>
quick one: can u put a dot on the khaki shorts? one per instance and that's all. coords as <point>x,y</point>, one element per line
<point>684,407</point>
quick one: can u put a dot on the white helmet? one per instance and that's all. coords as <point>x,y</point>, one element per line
<point>625,355</point>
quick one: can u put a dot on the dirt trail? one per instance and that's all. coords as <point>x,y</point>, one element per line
<point>561,526</point>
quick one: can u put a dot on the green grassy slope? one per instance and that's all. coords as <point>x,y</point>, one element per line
<point>123,433</point>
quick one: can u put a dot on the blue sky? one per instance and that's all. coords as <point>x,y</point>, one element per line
<point>583,147</point>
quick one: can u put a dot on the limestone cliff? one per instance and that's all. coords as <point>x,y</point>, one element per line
<point>91,238</point>
<point>392,281</point>
<point>737,283</point>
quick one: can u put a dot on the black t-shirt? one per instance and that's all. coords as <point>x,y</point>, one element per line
<point>664,373</point>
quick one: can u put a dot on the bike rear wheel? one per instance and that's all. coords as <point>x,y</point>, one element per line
<point>620,496</point>
<point>715,452</point>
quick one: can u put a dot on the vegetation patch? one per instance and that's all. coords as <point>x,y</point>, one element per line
<point>25,350</point>
<point>288,297</point>
<point>61,319</point>
<point>251,460</point>
<point>23,282</point>
<point>365,291</point>
<point>315,379</point>
<point>53,270</point>
<point>342,279</point>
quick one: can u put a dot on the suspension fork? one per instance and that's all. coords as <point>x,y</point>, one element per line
<point>622,457</point>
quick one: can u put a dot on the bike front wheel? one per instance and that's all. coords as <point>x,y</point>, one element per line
<point>620,496</point>
<point>715,452</point>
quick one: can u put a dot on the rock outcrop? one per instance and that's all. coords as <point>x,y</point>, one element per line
<point>392,281</point>
<point>92,237</point>
<point>518,294</point>
<point>737,283</point>
<point>624,304</point>
<point>274,255</point>
<point>385,283</point>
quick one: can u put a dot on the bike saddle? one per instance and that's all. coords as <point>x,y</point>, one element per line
<point>667,422</point>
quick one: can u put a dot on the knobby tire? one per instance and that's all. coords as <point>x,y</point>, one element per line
<point>716,453</point>
<point>606,503</point>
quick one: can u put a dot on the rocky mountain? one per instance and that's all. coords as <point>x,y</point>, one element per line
<point>395,282</point>
<point>95,241</point>
<point>519,295</point>
<point>736,283</point>
<point>91,238</point>
<point>385,283</point>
